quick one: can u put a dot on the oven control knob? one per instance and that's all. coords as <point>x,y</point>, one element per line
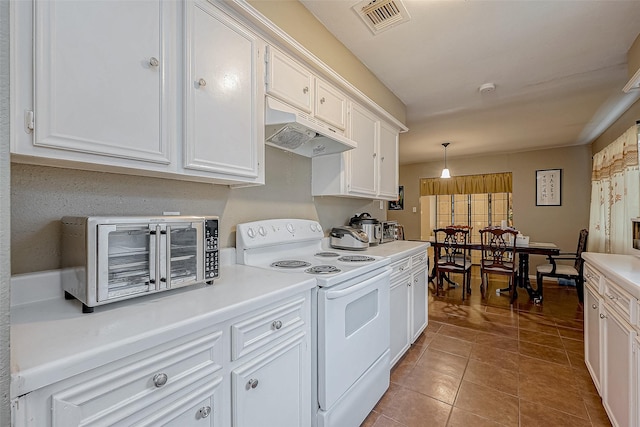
<point>290,228</point>
<point>251,233</point>
<point>262,231</point>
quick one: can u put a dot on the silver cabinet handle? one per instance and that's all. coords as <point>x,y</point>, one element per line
<point>602,316</point>
<point>594,306</point>
<point>277,324</point>
<point>154,62</point>
<point>322,100</point>
<point>305,89</point>
<point>252,384</point>
<point>204,412</point>
<point>202,82</point>
<point>160,379</point>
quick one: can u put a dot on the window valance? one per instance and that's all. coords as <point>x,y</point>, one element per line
<point>468,184</point>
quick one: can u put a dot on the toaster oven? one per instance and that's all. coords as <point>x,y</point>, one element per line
<point>107,259</point>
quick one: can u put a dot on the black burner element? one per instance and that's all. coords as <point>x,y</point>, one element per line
<point>290,263</point>
<point>356,258</point>
<point>322,269</point>
<point>327,254</point>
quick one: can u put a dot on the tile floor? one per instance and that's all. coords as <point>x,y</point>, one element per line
<point>482,363</point>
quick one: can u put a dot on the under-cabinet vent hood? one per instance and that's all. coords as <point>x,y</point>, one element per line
<point>299,133</point>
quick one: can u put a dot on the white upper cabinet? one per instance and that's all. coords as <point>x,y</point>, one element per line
<point>149,87</point>
<point>105,78</point>
<point>296,85</point>
<point>224,101</point>
<point>370,170</point>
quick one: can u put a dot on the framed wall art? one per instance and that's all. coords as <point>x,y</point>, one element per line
<point>398,205</point>
<point>549,187</point>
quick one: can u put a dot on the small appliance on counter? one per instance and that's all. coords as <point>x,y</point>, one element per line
<point>389,231</point>
<point>111,258</point>
<point>349,238</point>
<point>369,225</point>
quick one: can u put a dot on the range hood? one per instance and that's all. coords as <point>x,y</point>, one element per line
<point>292,130</point>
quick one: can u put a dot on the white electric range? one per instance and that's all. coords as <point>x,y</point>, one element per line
<point>350,313</point>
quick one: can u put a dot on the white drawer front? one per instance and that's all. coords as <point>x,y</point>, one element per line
<point>260,329</point>
<point>400,267</point>
<point>419,261</point>
<point>620,300</point>
<point>592,277</point>
<point>133,393</point>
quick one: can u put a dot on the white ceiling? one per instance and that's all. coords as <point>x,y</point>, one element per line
<point>558,66</point>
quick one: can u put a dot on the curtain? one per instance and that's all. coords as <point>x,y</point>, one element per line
<point>468,184</point>
<point>615,195</point>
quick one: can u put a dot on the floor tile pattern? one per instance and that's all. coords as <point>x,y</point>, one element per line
<point>482,362</point>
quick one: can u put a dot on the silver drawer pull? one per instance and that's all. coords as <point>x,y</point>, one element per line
<point>252,384</point>
<point>154,62</point>
<point>204,411</point>
<point>305,89</point>
<point>602,316</point>
<point>322,100</point>
<point>160,379</point>
<point>202,82</point>
<point>594,306</point>
<point>277,324</point>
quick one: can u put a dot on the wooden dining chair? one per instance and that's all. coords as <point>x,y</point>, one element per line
<point>498,257</point>
<point>566,271</point>
<point>452,256</point>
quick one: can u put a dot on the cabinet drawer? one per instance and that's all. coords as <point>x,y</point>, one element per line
<point>400,267</point>
<point>260,329</point>
<point>592,277</point>
<point>136,391</point>
<point>420,260</point>
<point>620,300</point>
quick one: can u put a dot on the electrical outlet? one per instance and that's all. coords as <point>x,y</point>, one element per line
<point>414,209</point>
<point>381,204</point>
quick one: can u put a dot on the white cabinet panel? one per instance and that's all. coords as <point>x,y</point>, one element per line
<point>330,104</point>
<point>270,390</point>
<point>289,81</point>
<point>399,308</point>
<point>362,160</point>
<point>104,77</point>
<point>388,149</point>
<point>224,119</point>
<point>593,335</point>
<point>419,311</point>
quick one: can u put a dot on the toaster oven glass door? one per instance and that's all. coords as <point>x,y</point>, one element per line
<point>126,260</point>
<point>181,253</point>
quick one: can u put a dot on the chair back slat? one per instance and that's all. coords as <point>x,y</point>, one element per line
<point>498,249</point>
<point>582,246</point>
<point>451,242</point>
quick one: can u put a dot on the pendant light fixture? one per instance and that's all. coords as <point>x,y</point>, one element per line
<point>445,171</point>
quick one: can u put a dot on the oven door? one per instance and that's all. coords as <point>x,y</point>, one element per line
<point>353,332</point>
<point>181,254</point>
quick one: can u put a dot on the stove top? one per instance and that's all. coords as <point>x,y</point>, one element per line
<point>295,246</point>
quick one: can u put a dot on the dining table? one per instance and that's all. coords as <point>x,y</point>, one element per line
<point>523,250</point>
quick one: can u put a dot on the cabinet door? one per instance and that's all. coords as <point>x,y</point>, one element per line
<point>400,309</point>
<point>618,395</point>
<point>330,105</point>
<point>592,335</point>
<point>388,153</point>
<point>288,80</point>
<point>104,78</point>
<point>224,120</point>
<point>419,308</point>
<point>272,389</point>
<point>362,160</point>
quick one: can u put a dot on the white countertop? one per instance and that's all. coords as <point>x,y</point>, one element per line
<point>623,270</point>
<point>52,339</point>
<point>394,250</point>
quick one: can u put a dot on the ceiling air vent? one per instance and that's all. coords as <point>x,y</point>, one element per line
<point>380,15</point>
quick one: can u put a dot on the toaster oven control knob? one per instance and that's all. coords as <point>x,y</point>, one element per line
<point>262,231</point>
<point>251,232</point>
<point>160,379</point>
<point>290,228</point>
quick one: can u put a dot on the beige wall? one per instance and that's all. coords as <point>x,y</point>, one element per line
<point>299,23</point>
<point>619,127</point>
<point>557,224</point>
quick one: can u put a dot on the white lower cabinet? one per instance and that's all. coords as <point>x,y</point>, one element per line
<point>409,306</point>
<point>611,346</point>
<point>270,390</point>
<point>194,380</point>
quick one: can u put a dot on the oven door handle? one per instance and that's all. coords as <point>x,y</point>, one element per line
<point>353,289</point>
